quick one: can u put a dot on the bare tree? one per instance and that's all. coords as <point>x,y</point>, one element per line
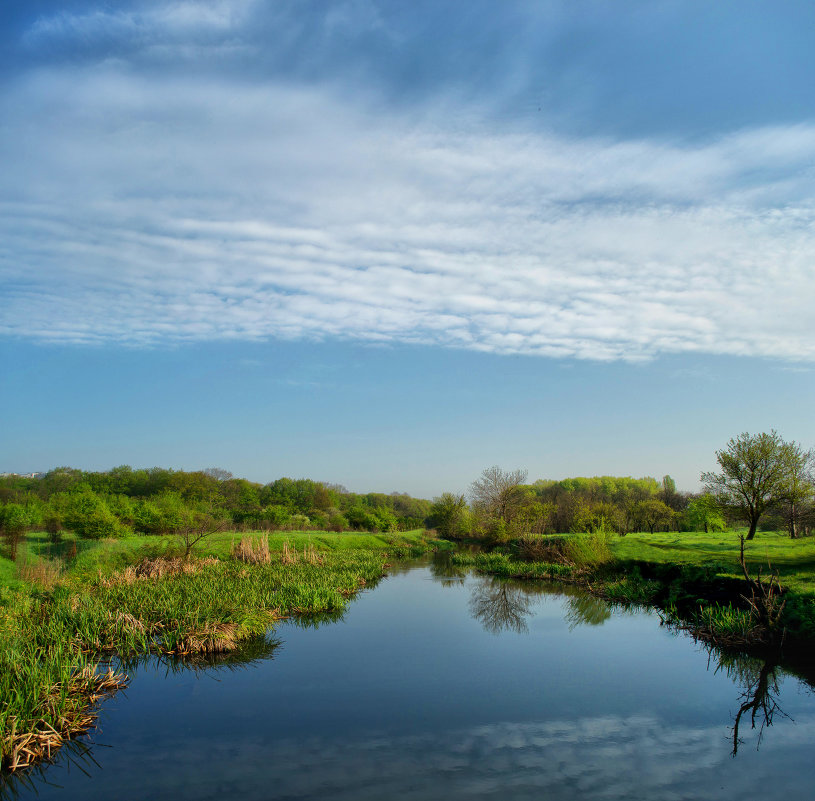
<point>500,606</point>
<point>205,526</point>
<point>218,473</point>
<point>497,493</point>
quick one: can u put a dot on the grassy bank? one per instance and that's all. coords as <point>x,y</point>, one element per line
<point>64,607</point>
<point>695,578</point>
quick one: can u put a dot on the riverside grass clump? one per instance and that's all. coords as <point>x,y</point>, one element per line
<point>52,640</point>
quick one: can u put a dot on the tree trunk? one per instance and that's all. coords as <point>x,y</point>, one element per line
<point>753,526</point>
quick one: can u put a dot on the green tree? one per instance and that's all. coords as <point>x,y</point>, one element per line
<point>800,487</point>
<point>89,516</point>
<point>447,515</point>
<point>654,514</point>
<point>14,520</point>
<point>704,513</point>
<point>755,476</point>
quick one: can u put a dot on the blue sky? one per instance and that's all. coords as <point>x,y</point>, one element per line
<point>387,244</point>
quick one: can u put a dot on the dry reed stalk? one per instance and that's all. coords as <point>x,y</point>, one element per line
<point>39,739</point>
<point>311,555</point>
<point>46,572</point>
<point>156,568</point>
<point>253,552</point>
<point>288,556</point>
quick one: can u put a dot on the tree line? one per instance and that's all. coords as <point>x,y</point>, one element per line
<point>123,501</point>
<point>762,481</point>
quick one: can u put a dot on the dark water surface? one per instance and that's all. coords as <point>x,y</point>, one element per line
<point>435,686</point>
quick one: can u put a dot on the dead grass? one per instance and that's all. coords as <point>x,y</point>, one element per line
<point>38,740</point>
<point>158,567</point>
<point>216,638</point>
<point>552,550</point>
<point>252,551</point>
<point>45,572</point>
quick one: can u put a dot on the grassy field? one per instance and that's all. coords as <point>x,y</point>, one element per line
<point>63,607</point>
<point>793,559</point>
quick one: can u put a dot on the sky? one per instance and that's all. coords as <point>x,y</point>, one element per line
<point>388,244</point>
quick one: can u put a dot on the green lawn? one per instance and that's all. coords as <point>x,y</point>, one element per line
<point>794,559</point>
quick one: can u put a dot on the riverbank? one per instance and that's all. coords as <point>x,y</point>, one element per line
<point>695,579</point>
<point>68,608</point>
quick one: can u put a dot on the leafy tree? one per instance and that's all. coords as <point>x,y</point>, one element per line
<point>755,475</point>
<point>14,520</point>
<point>447,515</point>
<point>89,516</point>
<point>654,514</point>
<point>800,487</point>
<point>704,513</point>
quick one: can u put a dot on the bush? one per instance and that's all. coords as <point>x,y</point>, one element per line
<point>338,522</point>
<point>584,550</point>
<point>89,517</point>
<point>537,548</point>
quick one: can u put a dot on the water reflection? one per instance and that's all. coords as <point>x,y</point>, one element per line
<point>501,606</point>
<point>446,571</point>
<point>78,754</point>
<point>586,610</point>
<point>760,689</point>
<point>360,713</point>
<point>74,755</point>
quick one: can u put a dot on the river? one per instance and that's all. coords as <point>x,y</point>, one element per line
<point>437,684</point>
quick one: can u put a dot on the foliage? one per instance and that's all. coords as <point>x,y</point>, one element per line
<point>757,472</point>
<point>703,513</point>
<point>88,516</point>
<point>448,515</point>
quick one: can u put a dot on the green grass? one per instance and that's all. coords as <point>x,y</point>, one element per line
<point>94,555</point>
<point>793,559</point>
<point>501,564</point>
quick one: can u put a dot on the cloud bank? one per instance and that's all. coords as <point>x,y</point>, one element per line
<point>149,208</point>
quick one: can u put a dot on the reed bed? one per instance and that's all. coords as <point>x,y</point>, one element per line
<point>253,551</point>
<point>51,640</point>
<point>44,572</point>
<point>501,564</point>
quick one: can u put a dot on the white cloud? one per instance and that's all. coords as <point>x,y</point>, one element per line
<point>144,211</point>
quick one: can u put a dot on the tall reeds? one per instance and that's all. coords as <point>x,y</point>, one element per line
<point>253,551</point>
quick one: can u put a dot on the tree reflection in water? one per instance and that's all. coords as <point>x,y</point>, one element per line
<point>501,606</point>
<point>446,571</point>
<point>586,610</point>
<point>760,690</point>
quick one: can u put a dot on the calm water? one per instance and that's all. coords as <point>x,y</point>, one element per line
<point>453,687</point>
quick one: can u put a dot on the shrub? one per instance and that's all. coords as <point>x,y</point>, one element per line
<point>89,516</point>
<point>583,550</point>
